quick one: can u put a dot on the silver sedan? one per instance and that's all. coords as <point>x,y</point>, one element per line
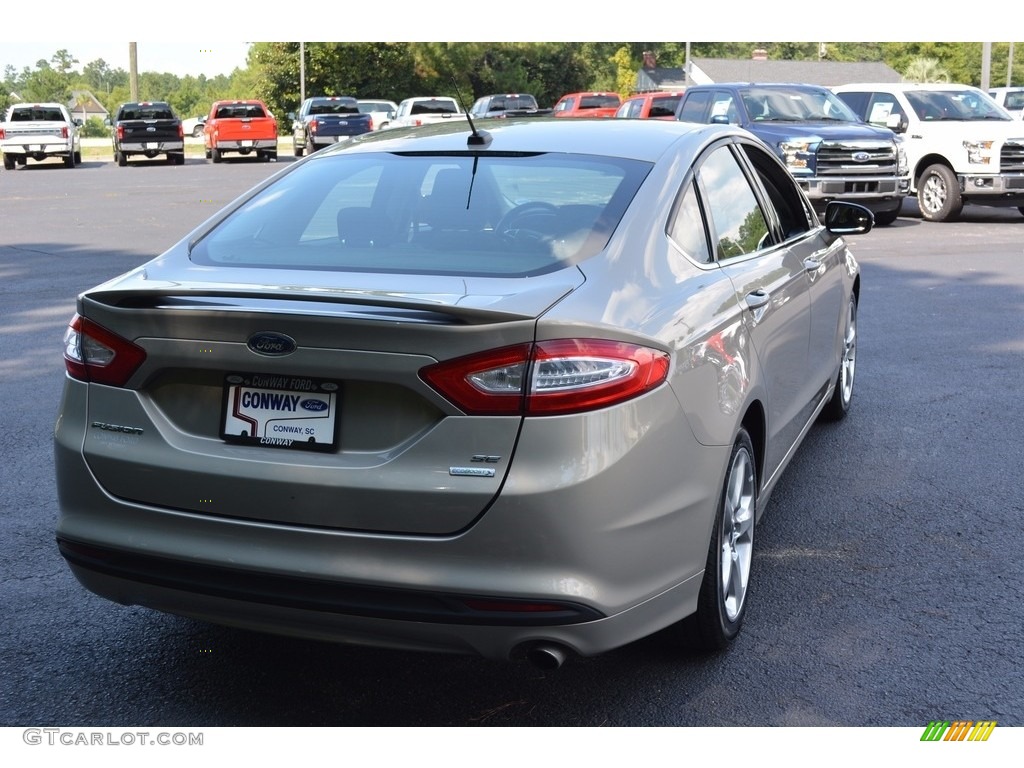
<point>521,392</point>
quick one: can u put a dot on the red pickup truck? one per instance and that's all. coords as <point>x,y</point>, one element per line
<point>589,104</point>
<point>243,126</point>
<point>651,106</point>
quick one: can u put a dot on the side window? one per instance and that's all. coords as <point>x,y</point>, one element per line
<point>686,226</point>
<point>694,107</point>
<point>880,106</point>
<point>738,224</point>
<point>794,214</point>
<point>723,108</point>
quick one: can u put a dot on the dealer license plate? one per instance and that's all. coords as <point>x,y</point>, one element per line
<point>280,411</point>
<point>150,145</point>
<point>246,142</point>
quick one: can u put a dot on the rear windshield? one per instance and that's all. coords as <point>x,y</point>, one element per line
<point>375,106</point>
<point>434,107</point>
<point>598,101</point>
<point>513,102</point>
<point>331,107</point>
<point>488,214</point>
<point>146,112</point>
<point>35,114</point>
<point>664,106</point>
<point>240,110</point>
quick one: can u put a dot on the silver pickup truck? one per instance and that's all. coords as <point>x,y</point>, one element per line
<point>39,132</point>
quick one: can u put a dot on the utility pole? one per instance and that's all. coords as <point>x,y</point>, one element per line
<point>986,64</point>
<point>302,72</point>
<point>133,70</point>
<point>687,79</point>
<point>1009,67</point>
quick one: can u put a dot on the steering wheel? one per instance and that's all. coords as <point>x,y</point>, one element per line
<point>511,227</point>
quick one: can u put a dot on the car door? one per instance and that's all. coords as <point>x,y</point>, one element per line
<point>824,262</point>
<point>770,280</point>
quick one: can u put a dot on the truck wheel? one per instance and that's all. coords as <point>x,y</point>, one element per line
<point>310,147</point>
<point>122,159</point>
<point>8,162</point>
<point>938,194</point>
<point>78,157</point>
<point>215,155</point>
<point>298,150</point>
<point>69,160</point>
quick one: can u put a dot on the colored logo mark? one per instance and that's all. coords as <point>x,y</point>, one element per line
<point>959,730</point>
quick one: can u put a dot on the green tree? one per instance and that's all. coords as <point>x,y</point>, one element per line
<point>925,70</point>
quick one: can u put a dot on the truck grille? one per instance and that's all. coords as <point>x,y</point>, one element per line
<point>837,158</point>
<point>1012,156</point>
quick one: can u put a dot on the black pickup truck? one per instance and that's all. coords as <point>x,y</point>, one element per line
<point>324,120</point>
<point>148,128</point>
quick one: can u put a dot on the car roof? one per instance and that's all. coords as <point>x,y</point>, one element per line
<point>757,84</point>
<point>637,139</point>
<point>904,87</point>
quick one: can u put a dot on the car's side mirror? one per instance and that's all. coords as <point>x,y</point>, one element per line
<point>895,124</point>
<point>845,218</point>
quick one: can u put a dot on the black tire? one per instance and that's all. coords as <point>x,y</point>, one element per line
<point>69,160</point>
<point>121,158</point>
<point>197,132</point>
<point>885,218</point>
<point>78,157</point>
<point>722,602</point>
<point>298,150</point>
<point>8,162</point>
<point>1020,208</point>
<point>938,193</point>
<point>842,397</point>
<point>215,155</point>
<point>310,146</point>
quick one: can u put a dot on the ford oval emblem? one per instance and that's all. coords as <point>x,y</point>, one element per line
<point>271,343</point>
<point>861,157</point>
<point>314,405</point>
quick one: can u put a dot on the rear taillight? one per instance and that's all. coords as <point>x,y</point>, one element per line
<point>549,378</point>
<point>94,354</point>
<point>370,121</point>
<point>3,135</point>
<point>120,133</point>
<point>64,132</point>
<point>181,131</point>
<point>313,126</point>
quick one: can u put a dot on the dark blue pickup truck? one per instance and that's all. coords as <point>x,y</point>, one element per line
<point>831,153</point>
<point>323,120</point>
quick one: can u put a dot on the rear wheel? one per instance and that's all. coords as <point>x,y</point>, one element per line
<point>8,162</point>
<point>122,159</point>
<point>722,602</point>
<point>69,160</point>
<point>837,408</point>
<point>298,150</point>
<point>78,157</point>
<point>938,193</point>
<point>215,155</point>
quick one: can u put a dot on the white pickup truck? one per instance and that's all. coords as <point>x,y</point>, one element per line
<point>961,146</point>
<point>423,110</point>
<point>39,132</point>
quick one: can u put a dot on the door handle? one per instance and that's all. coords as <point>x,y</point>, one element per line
<point>758,299</point>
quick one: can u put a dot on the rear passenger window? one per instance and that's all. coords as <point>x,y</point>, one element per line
<point>686,228</point>
<point>695,107</point>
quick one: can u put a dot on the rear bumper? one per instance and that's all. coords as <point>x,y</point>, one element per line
<point>608,564</point>
<point>153,146</point>
<point>246,145</point>
<point>29,147</point>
